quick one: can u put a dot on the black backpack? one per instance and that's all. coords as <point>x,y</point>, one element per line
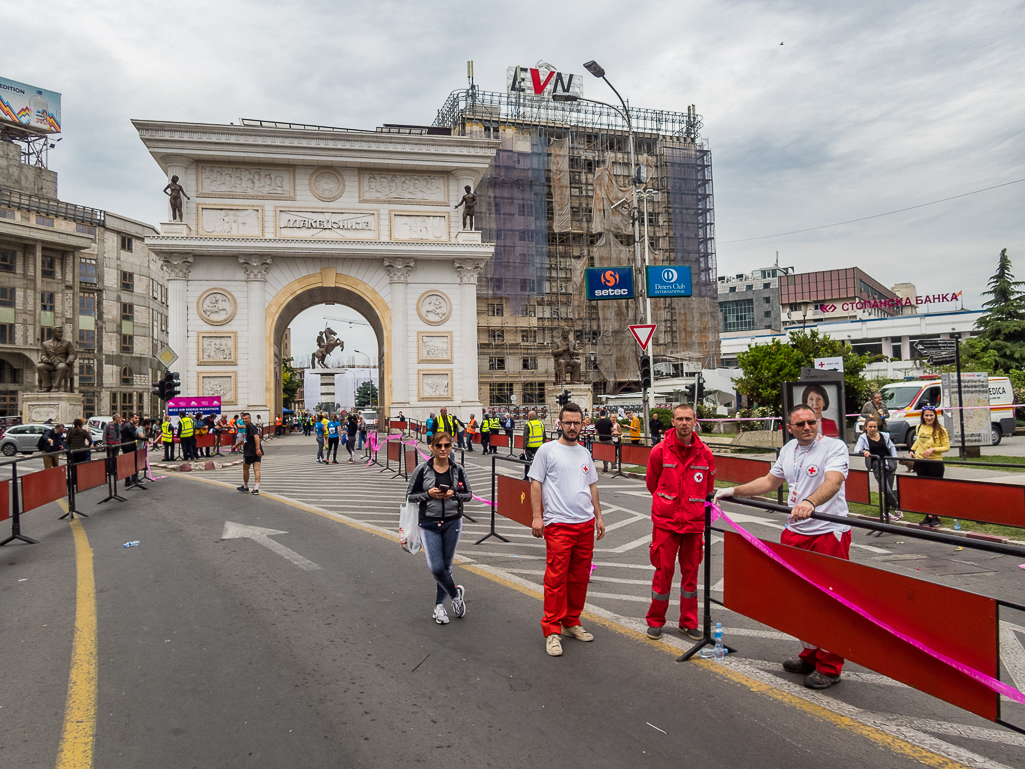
<point>41,444</point>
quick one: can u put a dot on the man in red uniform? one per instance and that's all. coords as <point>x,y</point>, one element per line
<point>681,473</point>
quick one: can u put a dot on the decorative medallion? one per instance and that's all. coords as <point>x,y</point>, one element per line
<point>216,306</point>
<point>434,308</point>
<point>326,184</point>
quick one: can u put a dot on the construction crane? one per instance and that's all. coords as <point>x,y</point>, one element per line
<point>350,321</point>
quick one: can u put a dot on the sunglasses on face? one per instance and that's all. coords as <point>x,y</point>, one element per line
<point>807,422</point>
<point>444,445</point>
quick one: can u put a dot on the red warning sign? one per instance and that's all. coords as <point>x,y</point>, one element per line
<point>643,333</point>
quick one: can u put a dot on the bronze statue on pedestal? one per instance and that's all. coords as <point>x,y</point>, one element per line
<point>567,360</point>
<point>55,364</point>
<point>469,203</point>
<point>175,194</point>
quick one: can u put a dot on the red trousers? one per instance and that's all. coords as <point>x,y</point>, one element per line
<point>827,663</point>
<point>567,571</point>
<point>666,547</point>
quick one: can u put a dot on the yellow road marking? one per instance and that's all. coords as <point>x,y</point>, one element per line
<point>78,736</point>
<point>871,733</point>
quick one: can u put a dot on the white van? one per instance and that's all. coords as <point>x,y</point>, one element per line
<point>907,399</point>
<point>370,417</point>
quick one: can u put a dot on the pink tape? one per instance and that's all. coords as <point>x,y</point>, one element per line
<point>992,683</point>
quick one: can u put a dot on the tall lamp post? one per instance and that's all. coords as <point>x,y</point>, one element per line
<point>596,69</point>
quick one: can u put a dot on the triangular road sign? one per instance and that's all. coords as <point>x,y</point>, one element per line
<point>643,333</point>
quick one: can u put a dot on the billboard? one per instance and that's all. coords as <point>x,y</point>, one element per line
<point>610,283</point>
<point>200,405</point>
<point>668,280</point>
<point>542,83</point>
<point>35,109</point>
<point>975,389</point>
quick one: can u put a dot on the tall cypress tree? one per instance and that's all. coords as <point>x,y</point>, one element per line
<point>1003,326</point>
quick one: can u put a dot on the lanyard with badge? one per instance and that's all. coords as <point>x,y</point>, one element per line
<point>797,476</point>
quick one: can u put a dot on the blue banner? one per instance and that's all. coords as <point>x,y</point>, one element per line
<point>669,280</point>
<point>610,283</point>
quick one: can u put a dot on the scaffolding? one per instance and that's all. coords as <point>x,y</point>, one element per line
<point>538,204</point>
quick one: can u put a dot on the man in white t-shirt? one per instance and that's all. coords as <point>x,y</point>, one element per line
<point>815,468</point>
<point>564,498</point>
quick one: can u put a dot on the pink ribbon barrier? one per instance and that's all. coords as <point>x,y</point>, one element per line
<point>376,446</point>
<point>988,681</point>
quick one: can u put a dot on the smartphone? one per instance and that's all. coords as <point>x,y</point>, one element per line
<point>444,489</point>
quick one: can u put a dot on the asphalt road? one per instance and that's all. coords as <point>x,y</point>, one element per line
<point>225,653</point>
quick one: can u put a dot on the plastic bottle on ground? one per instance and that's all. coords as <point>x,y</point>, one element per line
<point>719,652</point>
<point>133,543</point>
<point>957,525</point>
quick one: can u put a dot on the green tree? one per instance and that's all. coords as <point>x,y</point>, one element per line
<point>366,395</point>
<point>290,382</point>
<point>1002,328</point>
<point>767,366</point>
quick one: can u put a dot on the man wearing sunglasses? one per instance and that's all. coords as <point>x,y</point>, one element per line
<point>814,468</point>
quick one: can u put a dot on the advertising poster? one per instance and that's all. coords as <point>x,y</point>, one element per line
<point>610,283</point>
<point>825,399</point>
<point>208,404</point>
<point>975,389</point>
<point>30,107</point>
<point>669,280</point>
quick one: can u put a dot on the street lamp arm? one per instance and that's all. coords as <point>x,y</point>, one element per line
<point>626,110</point>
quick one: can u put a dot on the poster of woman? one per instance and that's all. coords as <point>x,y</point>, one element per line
<point>826,400</point>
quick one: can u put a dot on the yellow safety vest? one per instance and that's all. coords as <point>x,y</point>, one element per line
<point>494,424</point>
<point>188,427</point>
<point>485,425</point>
<point>536,436</point>
<point>167,431</point>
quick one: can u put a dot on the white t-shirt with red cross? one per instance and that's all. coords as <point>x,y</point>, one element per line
<point>566,474</point>
<point>804,468</point>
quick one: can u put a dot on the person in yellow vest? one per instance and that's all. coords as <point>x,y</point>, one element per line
<point>186,436</point>
<point>448,424</point>
<point>167,438</point>
<point>471,430</point>
<point>533,435</point>
<point>635,427</point>
<point>496,428</point>
<point>485,433</point>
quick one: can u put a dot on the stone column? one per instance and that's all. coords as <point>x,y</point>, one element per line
<point>177,266</point>
<point>256,268</point>
<point>398,278</point>
<point>468,271</point>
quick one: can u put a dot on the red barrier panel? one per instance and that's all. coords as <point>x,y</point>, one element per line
<point>89,475</point>
<point>738,470</point>
<point>518,441</point>
<point>125,466</point>
<point>514,500</point>
<point>971,500</point>
<point>603,452</point>
<point>394,451</point>
<point>202,441</point>
<point>763,590</point>
<point>856,488</point>
<point>500,440</point>
<point>38,489</point>
<point>5,500</point>
<point>397,425</point>
<point>410,461</point>
<point>635,455</point>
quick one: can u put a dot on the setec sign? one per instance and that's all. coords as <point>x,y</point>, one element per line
<point>542,83</point>
<point>610,283</point>
<point>668,280</point>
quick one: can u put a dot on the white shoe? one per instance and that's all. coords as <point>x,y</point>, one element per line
<point>440,615</point>
<point>458,603</point>
<point>553,645</point>
<point>577,632</point>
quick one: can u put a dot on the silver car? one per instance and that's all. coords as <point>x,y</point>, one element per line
<point>21,439</point>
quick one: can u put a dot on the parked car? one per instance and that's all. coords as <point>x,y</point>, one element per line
<point>21,439</point>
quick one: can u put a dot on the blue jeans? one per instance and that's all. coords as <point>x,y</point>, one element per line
<point>320,447</point>
<point>440,540</point>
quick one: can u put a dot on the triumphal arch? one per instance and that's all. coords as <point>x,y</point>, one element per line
<point>276,218</point>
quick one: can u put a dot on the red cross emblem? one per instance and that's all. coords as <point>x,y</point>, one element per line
<point>813,471</point>
<point>585,468</point>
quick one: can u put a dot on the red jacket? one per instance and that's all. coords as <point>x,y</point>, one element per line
<point>679,478</point>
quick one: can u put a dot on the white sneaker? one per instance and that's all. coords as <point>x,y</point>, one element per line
<point>440,615</point>
<point>577,632</point>
<point>553,645</point>
<point>458,605</point>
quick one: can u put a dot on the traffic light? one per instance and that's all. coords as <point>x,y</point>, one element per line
<point>645,372</point>
<point>172,385</point>
<point>563,398</point>
<point>159,389</point>
<point>699,385</point>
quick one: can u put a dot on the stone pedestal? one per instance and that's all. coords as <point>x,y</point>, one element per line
<point>51,407</point>
<point>175,229</point>
<point>468,236</point>
<point>580,394</point>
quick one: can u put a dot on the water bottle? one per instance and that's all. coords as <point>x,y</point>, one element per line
<point>39,108</point>
<point>133,543</point>
<point>719,653</point>
<point>957,525</point>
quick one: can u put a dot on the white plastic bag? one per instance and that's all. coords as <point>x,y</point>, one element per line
<point>409,527</point>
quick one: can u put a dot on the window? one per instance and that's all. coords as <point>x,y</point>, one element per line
<point>87,271</point>
<point>86,372</point>
<point>767,314</point>
<point>127,377</point>
<point>7,296</point>
<point>500,393</point>
<point>86,339</point>
<point>46,333</point>
<point>7,214</point>
<point>127,281</point>
<point>8,403</point>
<point>9,374</point>
<point>766,300</point>
<point>84,229</point>
<point>87,304</point>
<point>749,287</point>
<point>126,243</point>
<point>496,335</point>
<point>123,403</point>
<point>766,285</point>
<point>127,311</point>
<point>530,364</point>
<point>738,315</point>
<point>89,405</point>
<point>733,289</point>
<point>7,333</point>
<point>46,303</point>
<point>496,364</point>
<point>533,392</point>
<point>48,267</point>
<point>495,311</point>
<point>127,343</point>
<point>8,261</point>
<point>45,221</point>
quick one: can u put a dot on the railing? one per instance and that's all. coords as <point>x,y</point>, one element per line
<point>51,207</point>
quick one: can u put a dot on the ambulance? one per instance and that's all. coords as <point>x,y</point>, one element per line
<point>905,400</point>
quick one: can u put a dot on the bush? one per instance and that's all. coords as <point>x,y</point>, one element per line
<point>761,411</point>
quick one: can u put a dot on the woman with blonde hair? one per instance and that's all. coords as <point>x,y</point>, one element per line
<point>931,442</point>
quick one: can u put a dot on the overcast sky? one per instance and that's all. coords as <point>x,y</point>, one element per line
<point>864,108</point>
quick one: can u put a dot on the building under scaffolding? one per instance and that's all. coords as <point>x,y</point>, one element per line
<point>549,204</point>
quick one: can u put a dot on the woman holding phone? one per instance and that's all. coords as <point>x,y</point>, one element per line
<point>440,487</point>
<point>931,442</point>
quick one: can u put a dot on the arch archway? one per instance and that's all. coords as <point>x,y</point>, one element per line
<point>327,286</point>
